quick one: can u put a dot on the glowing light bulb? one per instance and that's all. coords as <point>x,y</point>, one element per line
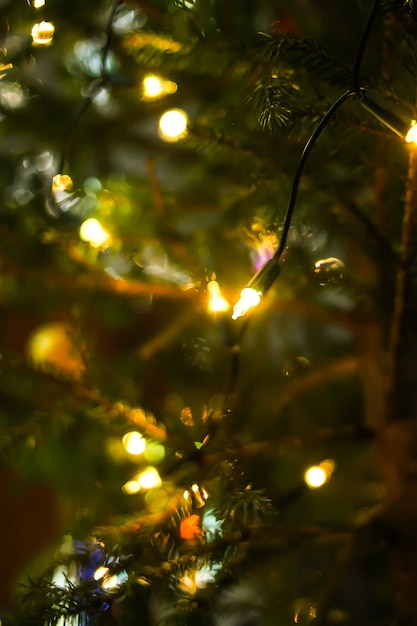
<point>131,487</point>
<point>173,125</point>
<point>317,475</point>
<point>249,298</point>
<point>217,304</point>
<point>411,136</point>
<point>61,182</point>
<point>43,33</point>
<point>134,443</point>
<point>149,478</point>
<point>152,87</point>
<point>155,87</point>
<point>100,572</point>
<point>36,4</point>
<point>93,233</point>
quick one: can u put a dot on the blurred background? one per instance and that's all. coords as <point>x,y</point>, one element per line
<point>160,462</point>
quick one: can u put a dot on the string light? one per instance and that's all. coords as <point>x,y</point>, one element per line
<point>43,33</point>
<point>149,478</point>
<point>131,487</point>
<point>317,475</point>
<point>266,276</point>
<point>155,87</point>
<point>93,233</point>
<point>61,182</point>
<point>173,125</point>
<point>217,304</point>
<point>134,443</point>
<point>250,296</point>
<point>411,136</point>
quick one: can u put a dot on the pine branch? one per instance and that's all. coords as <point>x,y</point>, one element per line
<point>310,57</point>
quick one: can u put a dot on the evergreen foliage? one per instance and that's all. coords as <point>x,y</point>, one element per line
<point>212,521</point>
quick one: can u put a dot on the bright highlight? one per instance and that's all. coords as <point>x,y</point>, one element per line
<point>173,125</point>
<point>43,33</point>
<point>134,443</point>
<point>152,87</point>
<point>317,475</point>
<point>217,304</point>
<point>155,87</point>
<point>93,233</point>
<point>411,136</point>
<point>249,298</point>
<point>131,487</point>
<point>61,182</point>
<point>149,479</point>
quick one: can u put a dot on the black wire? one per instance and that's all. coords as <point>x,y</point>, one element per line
<point>297,176</point>
<point>361,48</point>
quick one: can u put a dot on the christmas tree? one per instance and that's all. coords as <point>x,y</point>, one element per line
<point>208,294</point>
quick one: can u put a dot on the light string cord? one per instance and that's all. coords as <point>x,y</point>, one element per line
<point>94,89</point>
<point>361,48</point>
<point>234,367</point>
<point>299,171</point>
<point>357,91</point>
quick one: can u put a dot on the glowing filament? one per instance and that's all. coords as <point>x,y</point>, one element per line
<point>249,298</point>
<point>149,479</point>
<point>36,4</point>
<point>411,136</point>
<point>93,233</point>
<point>173,125</point>
<point>217,304</point>
<point>43,33</point>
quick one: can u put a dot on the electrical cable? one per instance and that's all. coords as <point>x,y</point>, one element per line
<point>298,173</point>
<point>361,48</point>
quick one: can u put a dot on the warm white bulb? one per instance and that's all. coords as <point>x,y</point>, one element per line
<point>173,125</point>
<point>411,136</point>
<point>249,298</point>
<point>317,475</point>
<point>61,182</point>
<point>43,33</point>
<point>100,572</point>
<point>152,86</point>
<point>217,304</point>
<point>134,443</point>
<point>93,233</point>
<point>131,487</point>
